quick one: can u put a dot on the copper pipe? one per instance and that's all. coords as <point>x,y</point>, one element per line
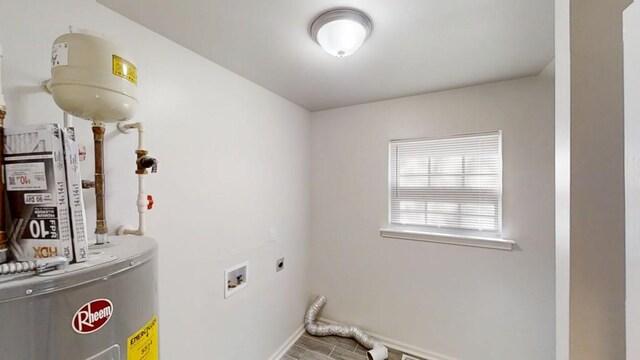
<point>3,233</point>
<point>101,213</point>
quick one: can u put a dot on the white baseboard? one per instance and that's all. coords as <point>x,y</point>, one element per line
<point>288,344</point>
<point>399,345</point>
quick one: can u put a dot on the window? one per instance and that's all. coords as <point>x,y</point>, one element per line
<point>450,186</point>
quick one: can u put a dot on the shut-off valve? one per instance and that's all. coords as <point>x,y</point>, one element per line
<point>144,162</point>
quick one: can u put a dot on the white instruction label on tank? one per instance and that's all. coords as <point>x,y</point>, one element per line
<point>26,176</point>
<point>38,198</point>
<point>60,54</point>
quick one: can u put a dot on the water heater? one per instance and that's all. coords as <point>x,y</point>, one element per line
<point>102,309</point>
<point>93,78</point>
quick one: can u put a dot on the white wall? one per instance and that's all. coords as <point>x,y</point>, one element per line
<point>632,175</point>
<point>233,163</point>
<point>463,302</point>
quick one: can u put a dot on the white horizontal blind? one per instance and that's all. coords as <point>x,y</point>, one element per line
<point>451,183</point>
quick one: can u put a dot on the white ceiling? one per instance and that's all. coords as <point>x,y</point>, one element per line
<point>417,46</point>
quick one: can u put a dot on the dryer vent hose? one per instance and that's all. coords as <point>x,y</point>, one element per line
<point>377,351</point>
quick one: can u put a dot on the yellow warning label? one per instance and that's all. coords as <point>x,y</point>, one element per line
<point>143,344</point>
<point>125,69</point>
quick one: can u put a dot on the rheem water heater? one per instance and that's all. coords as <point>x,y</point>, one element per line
<point>102,309</point>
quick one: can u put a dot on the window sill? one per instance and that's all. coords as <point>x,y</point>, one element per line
<point>463,240</point>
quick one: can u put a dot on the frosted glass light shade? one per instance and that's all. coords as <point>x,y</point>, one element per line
<point>341,32</point>
<point>341,37</point>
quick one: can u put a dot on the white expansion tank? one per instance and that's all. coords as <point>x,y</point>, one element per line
<point>93,78</point>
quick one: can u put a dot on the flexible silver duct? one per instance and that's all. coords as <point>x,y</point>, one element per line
<point>377,351</point>
<point>17,267</point>
<point>39,265</point>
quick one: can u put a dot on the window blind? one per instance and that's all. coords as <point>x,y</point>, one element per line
<point>449,183</point>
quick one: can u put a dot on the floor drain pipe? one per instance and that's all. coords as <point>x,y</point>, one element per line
<point>101,211</point>
<point>377,351</point>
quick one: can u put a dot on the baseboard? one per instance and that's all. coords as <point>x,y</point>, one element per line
<point>399,345</point>
<point>288,344</point>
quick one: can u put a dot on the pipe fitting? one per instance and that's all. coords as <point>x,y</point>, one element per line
<point>126,128</point>
<point>88,184</point>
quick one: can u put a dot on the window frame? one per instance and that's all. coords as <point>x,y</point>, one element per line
<point>459,236</point>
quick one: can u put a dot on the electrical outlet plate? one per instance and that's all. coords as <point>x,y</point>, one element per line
<point>280,265</point>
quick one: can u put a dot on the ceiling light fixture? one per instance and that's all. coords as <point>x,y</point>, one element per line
<point>341,32</point>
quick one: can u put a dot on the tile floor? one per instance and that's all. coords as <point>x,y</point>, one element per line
<point>331,348</point>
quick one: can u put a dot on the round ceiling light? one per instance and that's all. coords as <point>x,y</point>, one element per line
<point>341,32</point>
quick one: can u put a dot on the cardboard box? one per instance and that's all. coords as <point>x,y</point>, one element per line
<point>76,201</point>
<point>36,184</point>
